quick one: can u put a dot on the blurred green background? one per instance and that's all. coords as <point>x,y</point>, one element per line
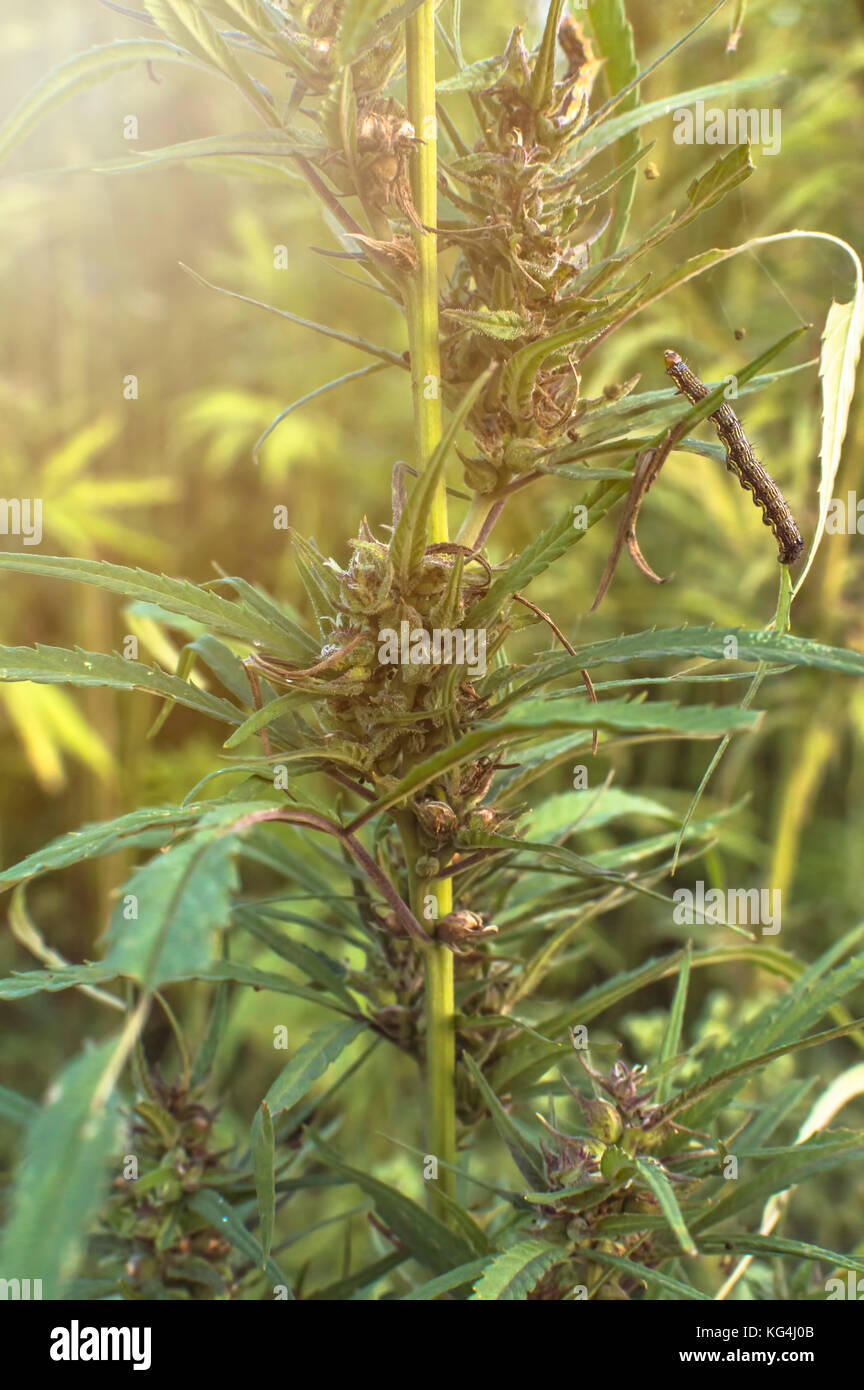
<point>93,292</point>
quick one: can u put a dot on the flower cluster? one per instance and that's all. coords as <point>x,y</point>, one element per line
<point>381,715</point>
<point>166,1247</point>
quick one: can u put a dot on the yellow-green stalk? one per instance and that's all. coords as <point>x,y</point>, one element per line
<point>422,312</point>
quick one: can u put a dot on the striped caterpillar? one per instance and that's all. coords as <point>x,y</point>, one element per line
<point>741,461</point>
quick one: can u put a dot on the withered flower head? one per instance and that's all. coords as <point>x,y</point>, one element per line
<point>461,930</point>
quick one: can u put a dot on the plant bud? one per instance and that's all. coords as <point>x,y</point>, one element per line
<point>481,475</point>
<point>523,455</point>
<point>641,1202</point>
<point>369,578</point>
<point>602,1119</point>
<point>431,578</point>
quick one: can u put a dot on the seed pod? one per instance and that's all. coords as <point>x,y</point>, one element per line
<point>481,475</point>
<point>459,930</point>
<point>653,1136</point>
<point>437,819</point>
<point>523,455</point>
<point>602,1118</point>
<point>482,820</point>
<point>477,779</point>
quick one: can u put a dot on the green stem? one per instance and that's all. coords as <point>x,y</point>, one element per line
<point>440,1060</point>
<point>422,305</point>
<point>440,1032</point>
<point>475,518</point>
<point>422,315</point>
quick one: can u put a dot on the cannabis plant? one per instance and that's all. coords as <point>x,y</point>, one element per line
<point>414,753</point>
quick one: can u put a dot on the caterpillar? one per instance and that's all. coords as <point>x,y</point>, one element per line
<point>741,460</point>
